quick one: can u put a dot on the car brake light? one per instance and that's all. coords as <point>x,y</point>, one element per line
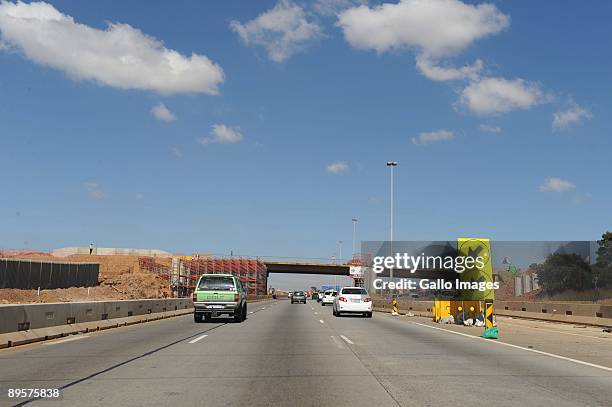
<point>236,297</point>
<point>368,299</point>
<point>342,299</point>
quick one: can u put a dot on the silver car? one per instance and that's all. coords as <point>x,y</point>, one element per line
<point>298,296</point>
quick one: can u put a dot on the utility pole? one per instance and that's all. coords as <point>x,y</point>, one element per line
<point>354,233</point>
<point>391,164</point>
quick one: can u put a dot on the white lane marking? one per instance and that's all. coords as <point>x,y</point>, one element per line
<point>321,321</point>
<point>251,312</point>
<point>338,342</point>
<point>347,340</point>
<point>316,313</point>
<point>264,308</point>
<point>73,338</point>
<point>552,355</point>
<point>198,338</point>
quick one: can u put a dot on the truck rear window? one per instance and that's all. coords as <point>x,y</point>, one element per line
<point>216,284</point>
<point>354,291</point>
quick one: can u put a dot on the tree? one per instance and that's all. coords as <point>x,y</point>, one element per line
<point>603,264</point>
<point>562,272</point>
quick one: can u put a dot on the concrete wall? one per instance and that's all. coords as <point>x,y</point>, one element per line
<point>110,251</point>
<point>593,314</point>
<point>590,314</point>
<point>17,317</point>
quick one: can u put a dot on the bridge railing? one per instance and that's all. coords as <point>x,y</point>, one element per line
<point>281,259</point>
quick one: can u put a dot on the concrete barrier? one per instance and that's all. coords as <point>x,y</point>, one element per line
<point>420,308</point>
<point>575,313</point>
<point>587,314</point>
<point>24,317</point>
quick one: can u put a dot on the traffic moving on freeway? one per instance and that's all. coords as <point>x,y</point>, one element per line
<point>305,203</point>
<point>306,355</point>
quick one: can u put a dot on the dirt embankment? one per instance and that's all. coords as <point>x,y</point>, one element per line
<point>120,279</point>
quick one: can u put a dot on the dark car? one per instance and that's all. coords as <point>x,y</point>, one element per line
<point>298,296</point>
<point>315,296</point>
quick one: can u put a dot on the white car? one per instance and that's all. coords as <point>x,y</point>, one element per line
<point>328,297</point>
<point>353,300</point>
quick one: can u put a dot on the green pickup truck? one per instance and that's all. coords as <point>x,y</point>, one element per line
<point>219,294</point>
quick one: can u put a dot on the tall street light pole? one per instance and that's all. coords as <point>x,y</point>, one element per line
<point>354,233</point>
<point>391,164</point>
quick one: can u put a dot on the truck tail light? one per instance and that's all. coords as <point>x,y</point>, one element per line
<point>368,299</point>
<point>342,299</point>
<point>194,297</point>
<point>236,297</point>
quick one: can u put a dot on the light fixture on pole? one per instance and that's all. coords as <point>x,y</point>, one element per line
<point>391,164</point>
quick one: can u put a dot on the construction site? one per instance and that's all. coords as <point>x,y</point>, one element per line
<point>135,274</point>
<point>184,271</point>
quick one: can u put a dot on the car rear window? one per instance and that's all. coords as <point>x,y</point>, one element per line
<point>354,291</point>
<point>216,284</point>
<point>299,293</point>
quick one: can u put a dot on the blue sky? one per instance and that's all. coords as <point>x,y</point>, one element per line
<point>279,92</point>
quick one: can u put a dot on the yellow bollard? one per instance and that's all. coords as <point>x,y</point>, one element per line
<point>394,310</point>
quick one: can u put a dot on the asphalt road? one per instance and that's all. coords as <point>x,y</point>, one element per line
<point>297,355</point>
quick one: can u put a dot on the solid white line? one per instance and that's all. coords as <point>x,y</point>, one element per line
<point>73,338</point>
<point>552,355</point>
<point>321,321</point>
<point>198,338</point>
<point>347,340</point>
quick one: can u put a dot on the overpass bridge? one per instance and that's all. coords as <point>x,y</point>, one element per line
<point>312,267</point>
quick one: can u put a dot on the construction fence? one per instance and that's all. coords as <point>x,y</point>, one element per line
<point>182,276</point>
<point>32,274</point>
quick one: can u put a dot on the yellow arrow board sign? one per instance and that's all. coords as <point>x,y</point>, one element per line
<point>470,247</point>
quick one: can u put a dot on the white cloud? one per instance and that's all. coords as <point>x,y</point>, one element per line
<point>434,28</point>
<point>94,191</point>
<point>161,112</point>
<point>119,56</point>
<point>489,128</point>
<point>337,167</point>
<point>491,96</point>
<point>283,30</point>
<point>553,184</point>
<point>177,152</point>
<point>433,137</point>
<point>222,134</point>
<point>574,115</point>
<point>444,73</point>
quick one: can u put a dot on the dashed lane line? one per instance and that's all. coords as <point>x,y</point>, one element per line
<point>70,339</point>
<point>198,338</point>
<point>347,340</point>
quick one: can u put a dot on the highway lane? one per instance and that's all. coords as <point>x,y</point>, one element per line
<point>298,355</point>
